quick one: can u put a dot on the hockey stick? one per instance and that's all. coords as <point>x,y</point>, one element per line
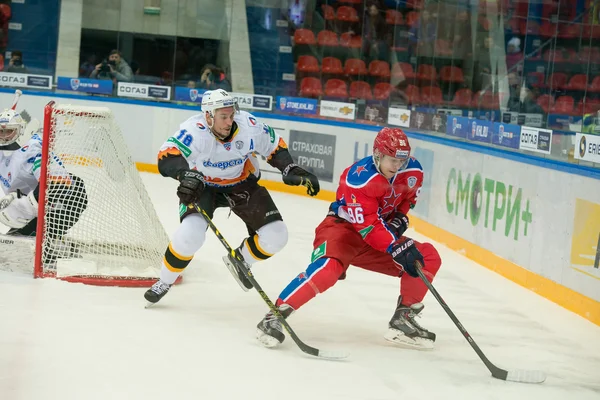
<point>517,375</point>
<point>331,355</point>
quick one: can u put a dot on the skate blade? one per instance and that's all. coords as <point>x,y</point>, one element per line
<point>150,305</point>
<point>399,338</point>
<point>234,273</point>
<point>266,340</point>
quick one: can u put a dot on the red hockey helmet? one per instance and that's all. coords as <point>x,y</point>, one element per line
<point>392,142</point>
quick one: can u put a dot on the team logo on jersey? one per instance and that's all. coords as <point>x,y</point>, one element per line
<point>360,169</point>
<point>252,121</point>
<point>412,181</point>
<point>239,144</point>
<point>75,84</point>
<point>354,202</point>
<point>200,126</point>
<point>227,146</point>
<point>193,94</point>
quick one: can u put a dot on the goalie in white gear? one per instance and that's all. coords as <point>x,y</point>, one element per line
<point>212,155</point>
<point>20,169</point>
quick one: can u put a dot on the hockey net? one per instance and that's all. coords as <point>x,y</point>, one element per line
<point>96,223</point>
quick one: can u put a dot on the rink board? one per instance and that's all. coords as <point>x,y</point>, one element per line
<point>534,221</point>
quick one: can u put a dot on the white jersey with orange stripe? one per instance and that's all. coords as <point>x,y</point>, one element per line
<point>223,163</point>
<point>20,169</point>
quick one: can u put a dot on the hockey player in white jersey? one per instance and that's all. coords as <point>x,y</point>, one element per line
<point>212,157</point>
<point>20,169</point>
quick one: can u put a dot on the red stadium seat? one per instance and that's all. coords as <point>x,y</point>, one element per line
<point>382,90</point>
<point>328,12</point>
<point>462,98</point>
<point>426,72</point>
<point>431,95</point>
<point>545,101</point>
<point>327,39</point>
<point>304,36</point>
<point>354,66</point>
<point>336,88</point>
<point>557,80</point>
<point>451,74</point>
<point>564,105</point>
<point>595,86</point>
<point>308,64</point>
<point>331,65</point>
<point>360,90</point>
<point>393,17</point>
<point>380,69</point>
<point>310,87</point>
<point>411,18</point>
<point>351,40</point>
<point>348,14</point>
<point>402,69</point>
<point>577,82</point>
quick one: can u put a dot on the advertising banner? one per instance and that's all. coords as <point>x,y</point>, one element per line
<point>25,80</point>
<point>587,147</point>
<point>337,109</point>
<point>535,139</point>
<point>297,105</point>
<point>85,85</point>
<point>141,91</point>
<point>315,152</point>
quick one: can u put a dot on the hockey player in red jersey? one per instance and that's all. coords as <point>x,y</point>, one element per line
<point>365,228</point>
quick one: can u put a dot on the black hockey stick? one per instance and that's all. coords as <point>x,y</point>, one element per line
<point>517,375</point>
<point>331,355</point>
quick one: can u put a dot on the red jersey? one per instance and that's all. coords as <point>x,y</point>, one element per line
<point>366,199</point>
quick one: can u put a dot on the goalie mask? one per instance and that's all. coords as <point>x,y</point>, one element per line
<point>11,126</point>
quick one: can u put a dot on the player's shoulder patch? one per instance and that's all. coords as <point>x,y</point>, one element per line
<point>413,164</point>
<point>247,119</point>
<point>196,123</point>
<point>361,172</point>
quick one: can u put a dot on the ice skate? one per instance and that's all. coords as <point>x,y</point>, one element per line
<point>156,292</point>
<point>238,274</point>
<point>269,331</point>
<point>404,329</point>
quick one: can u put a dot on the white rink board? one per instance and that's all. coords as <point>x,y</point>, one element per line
<point>552,195</point>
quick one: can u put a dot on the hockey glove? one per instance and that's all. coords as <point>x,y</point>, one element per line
<point>16,210</point>
<point>191,185</point>
<point>406,255</point>
<point>293,175</point>
<point>398,224</point>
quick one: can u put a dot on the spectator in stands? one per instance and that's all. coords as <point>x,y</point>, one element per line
<point>191,84</point>
<point>115,68</point>
<point>86,68</point>
<point>213,77</point>
<point>422,35</point>
<point>514,56</point>
<point>16,63</point>
<point>486,64</point>
<point>462,45</point>
<point>374,35</point>
<point>525,103</point>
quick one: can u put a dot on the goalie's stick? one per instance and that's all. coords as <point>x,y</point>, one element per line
<point>517,375</point>
<point>332,355</point>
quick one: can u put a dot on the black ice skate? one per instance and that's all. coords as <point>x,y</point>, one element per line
<point>156,292</point>
<point>238,274</point>
<point>404,329</point>
<point>269,330</point>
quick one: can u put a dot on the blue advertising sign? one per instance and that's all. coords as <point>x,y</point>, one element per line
<point>458,126</point>
<point>480,131</point>
<point>563,122</point>
<point>507,135</point>
<point>98,86</point>
<point>297,105</point>
<point>189,95</point>
<point>489,115</point>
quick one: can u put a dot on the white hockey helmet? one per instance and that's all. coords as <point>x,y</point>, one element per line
<point>12,126</point>
<point>214,99</point>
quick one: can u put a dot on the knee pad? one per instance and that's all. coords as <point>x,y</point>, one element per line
<point>273,237</point>
<point>431,258</point>
<point>190,235</point>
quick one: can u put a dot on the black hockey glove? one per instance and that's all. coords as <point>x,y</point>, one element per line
<point>398,224</point>
<point>191,185</point>
<point>406,255</point>
<point>293,175</point>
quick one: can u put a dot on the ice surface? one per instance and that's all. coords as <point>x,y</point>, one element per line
<point>69,341</point>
